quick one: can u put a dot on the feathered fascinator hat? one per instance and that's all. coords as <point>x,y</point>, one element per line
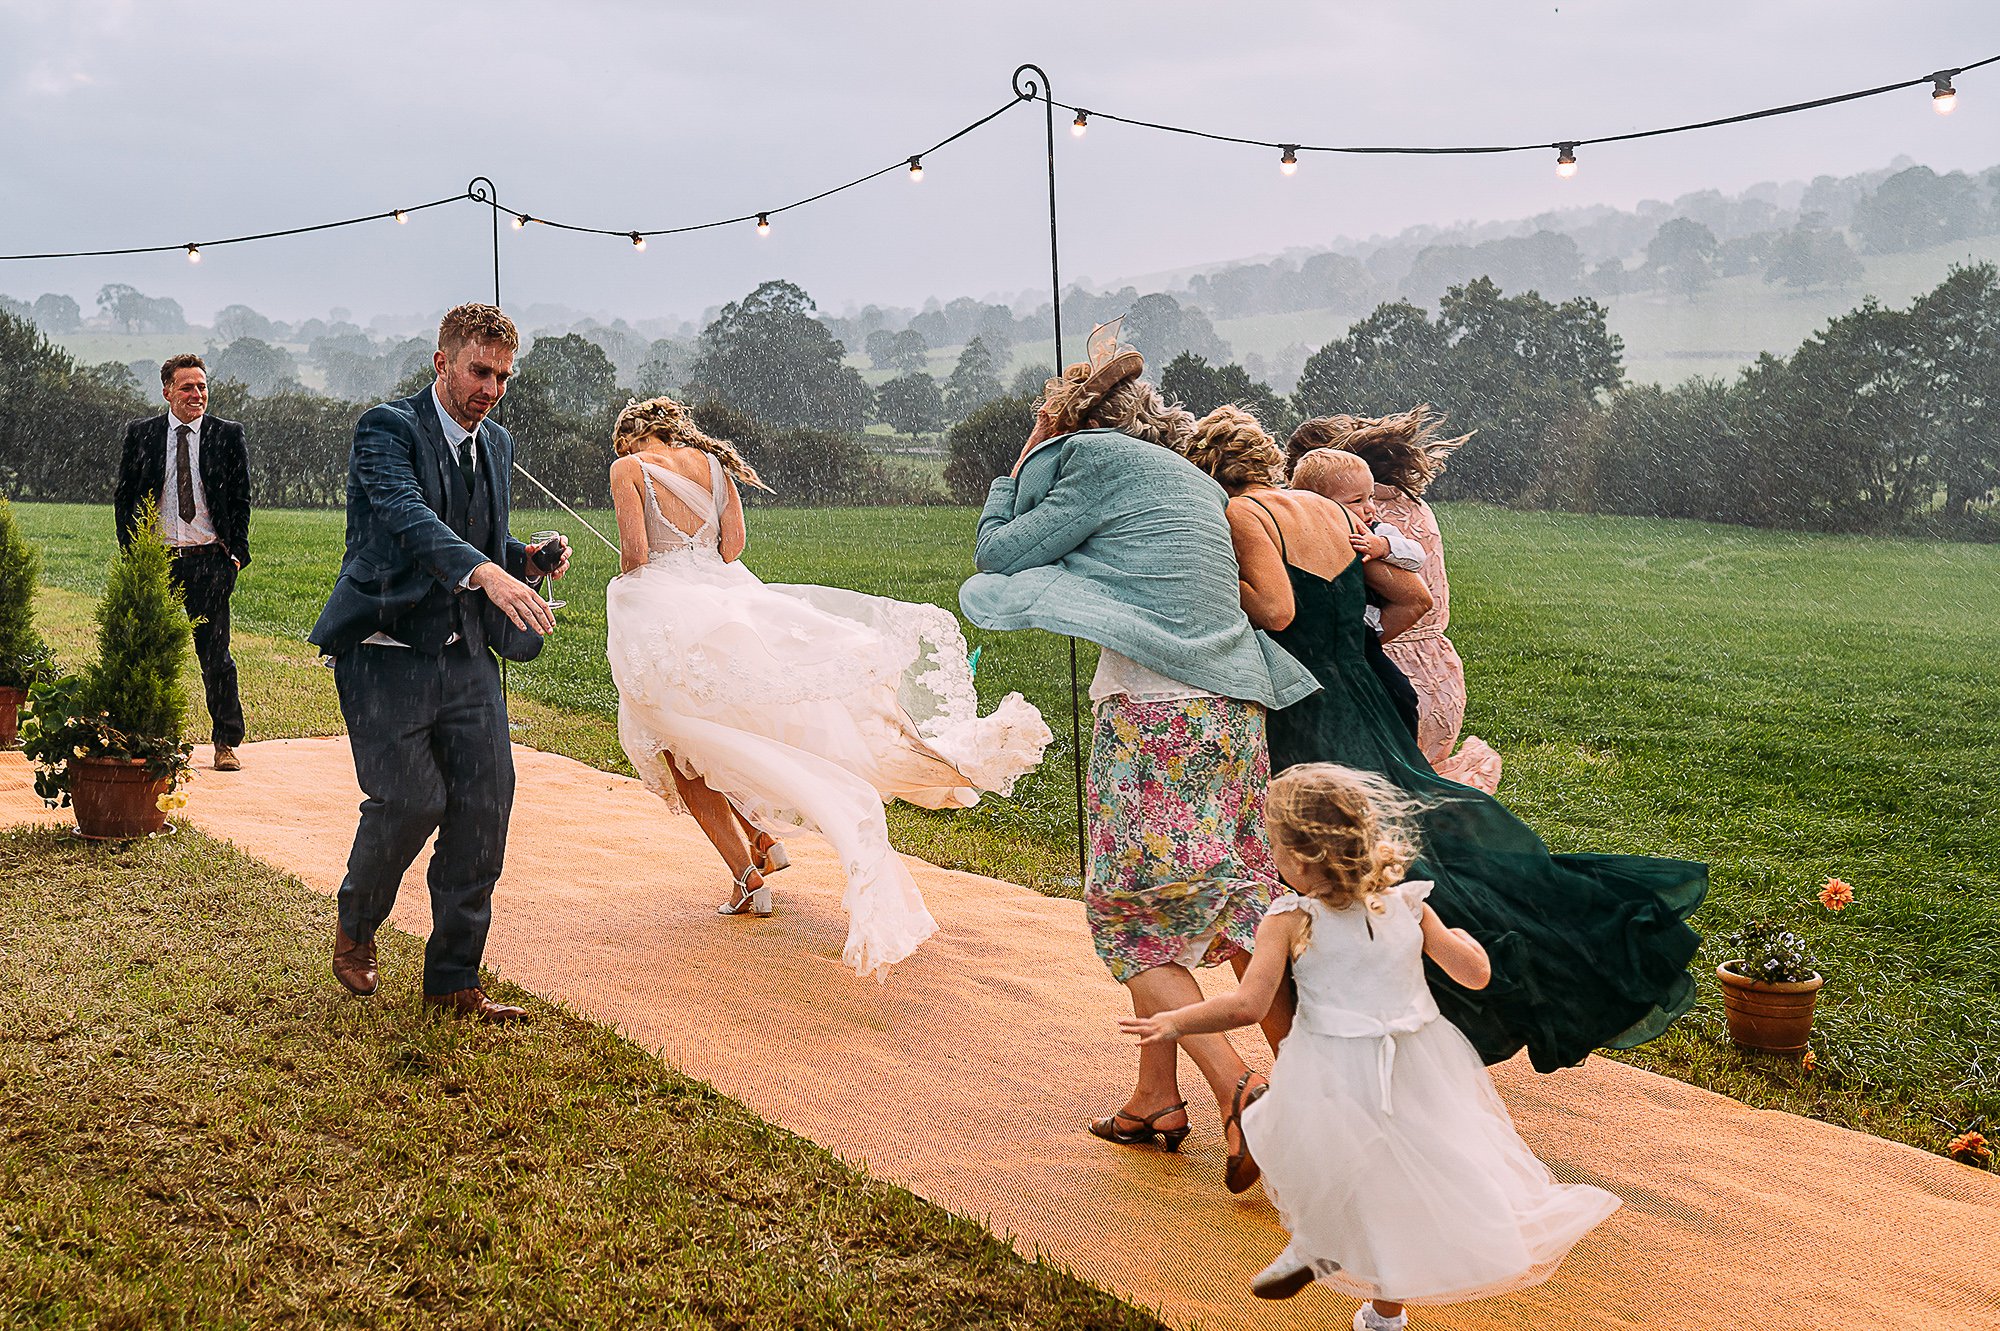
<point>1110,364</point>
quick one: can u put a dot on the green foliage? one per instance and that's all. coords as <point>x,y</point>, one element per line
<point>1770,954</point>
<point>1917,208</point>
<point>132,701</point>
<point>1201,388</point>
<point>1682,255</point>
<point>24,658</point>
<point>766,355</point>
<point>910,404</point>
<point>986,444</point>
<point>1810,256</point>
<point>256,364</point>
<point>805,467</point>
<point>60,424</point>
<point>1162,328</point>
<point>974,381</point>
<point>1512,368</point>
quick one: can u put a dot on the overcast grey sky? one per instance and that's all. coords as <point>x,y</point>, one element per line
<point>140,123</point>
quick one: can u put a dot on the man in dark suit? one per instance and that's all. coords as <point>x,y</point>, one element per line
<point>430,589</point>
<point>194,467</point>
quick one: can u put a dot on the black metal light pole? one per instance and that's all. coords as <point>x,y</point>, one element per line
<point>1031,81</point>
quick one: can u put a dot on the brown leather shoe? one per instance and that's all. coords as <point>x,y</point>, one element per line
<point>475,1003</point>
<point>226,759</point>
<point>353,963</point>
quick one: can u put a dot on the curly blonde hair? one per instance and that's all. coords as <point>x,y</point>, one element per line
<point>1134,407</point>
<point>1231,446</point>
<point>668,421</point>
<point>1356,827</point>
<point>1403,450</point>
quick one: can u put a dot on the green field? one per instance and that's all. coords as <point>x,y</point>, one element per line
<point>1785,707</point>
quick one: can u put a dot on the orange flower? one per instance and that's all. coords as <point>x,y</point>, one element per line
<point>1969,1147</point>
<point>1836,895</point>
<point>1808,1062</point>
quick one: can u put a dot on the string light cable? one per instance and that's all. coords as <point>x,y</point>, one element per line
<point>1943,98</point>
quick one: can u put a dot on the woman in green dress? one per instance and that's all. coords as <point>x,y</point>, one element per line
<point>1588,950</point>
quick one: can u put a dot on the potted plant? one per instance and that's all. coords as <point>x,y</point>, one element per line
<point>109,740</point>
<point>1771,985</point>
<point>25,660</point>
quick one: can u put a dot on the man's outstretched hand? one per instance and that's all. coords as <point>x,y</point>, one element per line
<point>516,599</point>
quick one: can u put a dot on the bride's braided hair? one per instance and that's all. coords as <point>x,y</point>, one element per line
<point>668,421</point>
<point>1356,827</point>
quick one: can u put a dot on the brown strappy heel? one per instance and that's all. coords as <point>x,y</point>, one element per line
<point>1170,1138</point>
<point>1241,1170</point>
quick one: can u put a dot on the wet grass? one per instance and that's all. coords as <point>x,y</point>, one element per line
<point>191,1136</point>
<point>1785,707</point>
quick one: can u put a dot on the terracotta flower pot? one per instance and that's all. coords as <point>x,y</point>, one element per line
<point>10,715</point>
<point>1770,1018</point>
<point>115,798</point>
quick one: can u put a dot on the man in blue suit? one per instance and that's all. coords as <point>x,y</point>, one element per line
<point>431,587</point>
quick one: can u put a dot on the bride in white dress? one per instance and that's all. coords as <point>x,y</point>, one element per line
<point>760,707</point>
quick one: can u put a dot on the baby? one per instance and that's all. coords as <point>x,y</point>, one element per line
<point>1345,478</point>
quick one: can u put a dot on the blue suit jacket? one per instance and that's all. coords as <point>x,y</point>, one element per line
<point>403,564</point>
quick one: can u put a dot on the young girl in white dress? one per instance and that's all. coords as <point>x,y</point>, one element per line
<point>760,707</point>
<point>1384,1145</point>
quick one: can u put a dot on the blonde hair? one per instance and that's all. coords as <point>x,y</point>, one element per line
<point>668,421</point>
<point>1326,471</point>
<point>1134,407</point>
<point>1232,447</point>
<point>473,322</point>
<point>1403,450</point>
<point>1356,827</point>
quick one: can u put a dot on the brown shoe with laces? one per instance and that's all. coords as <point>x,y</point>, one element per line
<point>226,759</point>
<point>474,1003</point>
<point>353,963</point>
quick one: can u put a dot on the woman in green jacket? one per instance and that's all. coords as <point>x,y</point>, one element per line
<point>1104,532</point>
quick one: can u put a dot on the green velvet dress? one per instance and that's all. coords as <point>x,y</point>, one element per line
<point>1588,951</point>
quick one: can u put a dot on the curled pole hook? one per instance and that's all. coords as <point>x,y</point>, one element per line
<point>481,190</point>
<point>1035,87</point>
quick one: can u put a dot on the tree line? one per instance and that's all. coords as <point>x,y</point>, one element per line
<point>1886,420</point>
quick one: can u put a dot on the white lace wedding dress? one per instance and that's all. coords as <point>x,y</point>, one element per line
<point>807,707</point>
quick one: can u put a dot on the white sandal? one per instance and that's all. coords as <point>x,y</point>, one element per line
<point>772,856</point>
<point>748,900</point>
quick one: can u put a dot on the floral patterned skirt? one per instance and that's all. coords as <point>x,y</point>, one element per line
<point>1180,869</point>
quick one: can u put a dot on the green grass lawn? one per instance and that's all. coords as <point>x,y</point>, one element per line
<point>1784,707</point>
<point>199,1129</point>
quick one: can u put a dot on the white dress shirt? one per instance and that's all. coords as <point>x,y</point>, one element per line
<point>199,530</point>
<point>1404,553</point>
<point>453,433</point>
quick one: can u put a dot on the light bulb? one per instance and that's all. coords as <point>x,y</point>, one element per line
<point>401,216</point>
<point>763,224</point>
<point>638,241</point>
<point>1290,161</point>
<point>1944,96</point>
<point>194,253</point>
<point>1081,123</point>
<point>916,169</point>
<point>521,220</point>
<point>1565,160</point>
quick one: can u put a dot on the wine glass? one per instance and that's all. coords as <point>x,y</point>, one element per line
<point>542,538</point>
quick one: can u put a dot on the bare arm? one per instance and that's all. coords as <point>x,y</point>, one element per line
<point>1457,953</point>
<point>1255,992</point>
<point>1260,570</point>
<point>630,506</point>
<point>734,534</point>
<point>1405,599</point>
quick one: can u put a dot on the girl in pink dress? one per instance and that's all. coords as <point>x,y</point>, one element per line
<point>1405,455</point>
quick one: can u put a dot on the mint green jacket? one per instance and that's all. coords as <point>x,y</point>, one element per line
<point>1125,544</point>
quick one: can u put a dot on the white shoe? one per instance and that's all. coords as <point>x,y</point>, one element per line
<point>1287,1274</point>
<point>748,900</point>
<point>1367,1319</point>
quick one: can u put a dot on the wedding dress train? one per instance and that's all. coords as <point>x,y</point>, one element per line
<point>806,707</point>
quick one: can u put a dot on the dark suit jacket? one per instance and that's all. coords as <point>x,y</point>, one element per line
<point>225,479</point>
<point>403,563</point>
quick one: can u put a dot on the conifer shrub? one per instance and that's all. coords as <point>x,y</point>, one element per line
<point>132,701</point>
<point>25,660</point>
